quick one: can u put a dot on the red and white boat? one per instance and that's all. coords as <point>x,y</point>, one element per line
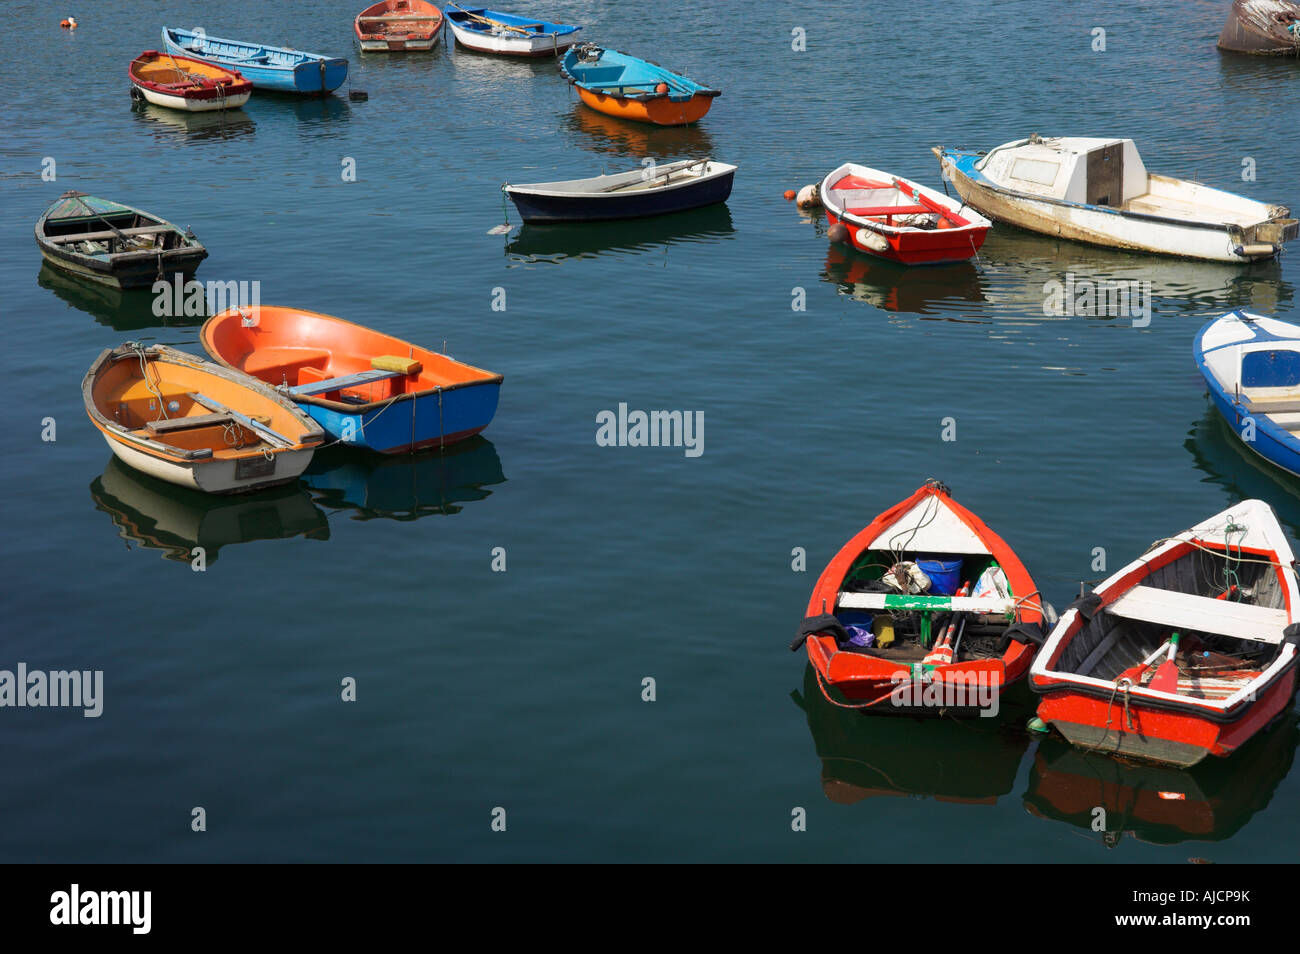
<point>193,86</point>
<point>1227,590</point>
<point>398,25</point>
<point>923,649</point>
<point>897,219</point>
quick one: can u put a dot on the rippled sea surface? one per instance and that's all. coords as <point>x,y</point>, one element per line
<point>523,689</point>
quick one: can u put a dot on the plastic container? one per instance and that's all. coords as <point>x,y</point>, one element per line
<point>945,575</point>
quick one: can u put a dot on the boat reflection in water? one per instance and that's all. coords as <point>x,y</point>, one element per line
<point>178,126</point>
<point>120,309</point>
<point>555,243</point>
<point>894,287</point>
<point>402,486</point>
<point>863,757</point>
<point>622,138</point>
<point>1239,471</point>
<point>1160,804</point>
<point>159,516</point>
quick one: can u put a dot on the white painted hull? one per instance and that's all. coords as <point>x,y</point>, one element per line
<point>210,476</point>
<point>193,105</point>
<point>397,46</point>
<point>540,45</point>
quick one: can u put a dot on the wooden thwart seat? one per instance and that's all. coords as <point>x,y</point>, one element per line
<point>100,236</point>
<point>1279,406</point>
<point>346,381</point>
<point>1202,614</point>
<point>273,438</point>
<point>899,601</point>
<point>185,423</point>
<point>889,210</point>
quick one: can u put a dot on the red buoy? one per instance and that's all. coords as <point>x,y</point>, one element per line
<point>789,194</point>
<point>661,88</point>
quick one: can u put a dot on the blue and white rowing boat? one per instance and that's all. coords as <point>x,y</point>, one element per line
<point>505,34</point>
<point>268,67</point>
<point>1252,367</point>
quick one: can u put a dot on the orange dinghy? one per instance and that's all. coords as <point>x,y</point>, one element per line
<point>191,423</point>
<point>365,388</point>
<point>192,86</point>
<point>630,88</point>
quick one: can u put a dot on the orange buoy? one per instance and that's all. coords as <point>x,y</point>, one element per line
<point>789,194</point>
<point>944,223</point>
<point>661,88</point>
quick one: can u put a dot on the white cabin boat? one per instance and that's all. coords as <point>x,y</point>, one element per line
<point>1099,191</point>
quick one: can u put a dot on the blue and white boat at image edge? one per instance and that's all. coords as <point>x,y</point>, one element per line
<point>266,67</point>
<point>1251,365</point>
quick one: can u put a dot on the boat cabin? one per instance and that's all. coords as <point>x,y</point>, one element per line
<point>1077,170</point>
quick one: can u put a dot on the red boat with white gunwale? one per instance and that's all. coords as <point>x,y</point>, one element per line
<point>900,220</point>
<point>1186,652</point>
<point>191,86</point>
<point>936,648</point>
<point>398,25</point>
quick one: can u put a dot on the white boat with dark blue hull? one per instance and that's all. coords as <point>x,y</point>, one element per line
<point>653,190</point>
<point>266,67</point>
<point>1251,365</point>
<point>1099,191</point>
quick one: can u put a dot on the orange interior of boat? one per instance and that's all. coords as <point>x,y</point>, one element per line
<point>179,72</point>
<point>182,406</point>
<point>291,347</point>
<point>399,16</point>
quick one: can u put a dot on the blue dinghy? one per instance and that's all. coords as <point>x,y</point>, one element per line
<point>622,85</point>
<point>1252,367</point>
<point>505,34</point>
<point>267,67</point>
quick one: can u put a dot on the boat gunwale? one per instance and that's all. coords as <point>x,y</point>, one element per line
<point>239,85</point>
<point>704,90</point>
<point>529,188</point>
<point>340,406</point>
<point>825,189</point>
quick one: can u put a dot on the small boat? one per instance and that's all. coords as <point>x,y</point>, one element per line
<point>267,67</point>
<point>365,388</point>
<point>897,219</point>
<point>179,82</point>
<point>490,31</point>
<point>892,628</point>
<point>1098,191</point>
<point>620,85</point>
<point>114,244</point>
<point>1270,27</point>
<point>656,190</point>
<point>1251,365</point>
<point>1186,652</point>
<point>188,422</point>
<point>398,25</point>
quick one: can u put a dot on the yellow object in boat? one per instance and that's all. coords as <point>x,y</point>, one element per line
<point>883,627</point>
<point>389,362</point>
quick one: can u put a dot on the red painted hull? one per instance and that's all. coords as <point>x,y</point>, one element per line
<point>873,683</point>
<point>924,248</point>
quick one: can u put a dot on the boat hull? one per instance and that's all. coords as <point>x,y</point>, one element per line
<point>429,420</point>
<point>398,26</point>
<point>511,46</point>
<point>210,477</point>
<point>659,110</point>
<point>548,208</point>
<point>315,77</point>
<point>1261,27</point>
<point>1097,225</point>
<point>190,104</point>
<point>397,46</point>
<point>136,271</point>
<point>927,248</point>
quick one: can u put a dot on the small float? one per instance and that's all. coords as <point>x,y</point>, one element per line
<point>397,26</point>
<point>192,86</point>
<point>620,85</point>
<point>114,244</point>
<point>653,190</point>
<point>505,34</point>
<point>188,422</point>
<point>365,388</point>
<point>924,612</point>
<point>897,219</point>
<point>267,67</point>
<point>1188,651</point>
<point>1099,191</point>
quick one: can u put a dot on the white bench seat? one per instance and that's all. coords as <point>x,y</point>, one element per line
<point>1202,614</point>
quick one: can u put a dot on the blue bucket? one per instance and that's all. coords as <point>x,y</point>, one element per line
<point>945,575</point>
<point>858,625</point>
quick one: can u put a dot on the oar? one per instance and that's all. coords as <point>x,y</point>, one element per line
<point>100,218</point>
<point>495,23</point>
<point>1166,677</point>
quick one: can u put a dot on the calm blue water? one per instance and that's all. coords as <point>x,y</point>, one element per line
<point>479,689</point>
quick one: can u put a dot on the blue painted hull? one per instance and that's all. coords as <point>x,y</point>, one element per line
<point>579,208</point>
<point>1275,445</point>
<point>405,426</point>
<point>284,71</point>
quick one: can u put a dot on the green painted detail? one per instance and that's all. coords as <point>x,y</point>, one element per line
<point>1037,725</point>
